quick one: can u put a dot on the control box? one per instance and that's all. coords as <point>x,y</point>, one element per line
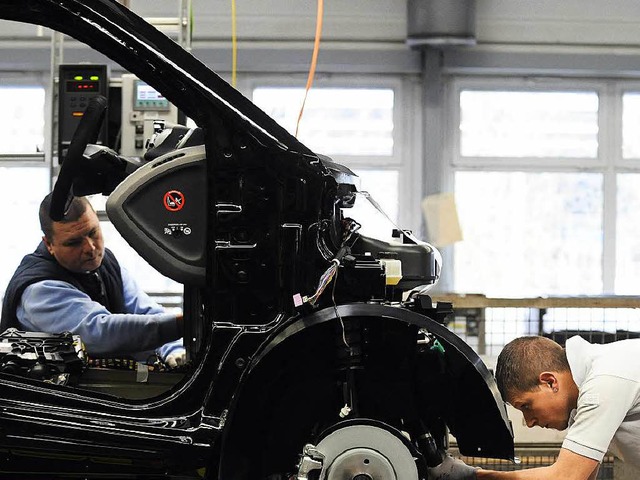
<point>77,84</point>
<point>141,106</point>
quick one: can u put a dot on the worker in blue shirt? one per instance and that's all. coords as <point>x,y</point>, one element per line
<point>72,283</point>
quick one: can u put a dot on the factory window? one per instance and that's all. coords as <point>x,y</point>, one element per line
<point>628,234</point>
<point>358,127</point>
<point>545,178</point>
<point>336,121</point>
<point>23,188</point>
<point>627,231</point>
<point>529,233</point>
<point>22,121</point>
<point>631,125</point>
<point>512,124</point>
<point>24,175</point>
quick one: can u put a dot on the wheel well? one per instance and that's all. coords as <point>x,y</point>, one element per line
<point>298,390</point>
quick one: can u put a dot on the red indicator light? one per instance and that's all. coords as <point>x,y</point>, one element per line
<point>82,86</point>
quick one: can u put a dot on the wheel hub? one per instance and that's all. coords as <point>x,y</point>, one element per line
<point>359,452</point>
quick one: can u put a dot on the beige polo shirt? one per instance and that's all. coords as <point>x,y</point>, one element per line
<point>607,416</point>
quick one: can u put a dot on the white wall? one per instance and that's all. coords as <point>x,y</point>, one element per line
<point>368,36</point>
<point>574,22</point>
<point>569,22</point>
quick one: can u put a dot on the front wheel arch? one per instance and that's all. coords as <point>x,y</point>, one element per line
<point>290,392</point>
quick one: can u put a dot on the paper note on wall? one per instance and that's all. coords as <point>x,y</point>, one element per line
<point>441,216</point>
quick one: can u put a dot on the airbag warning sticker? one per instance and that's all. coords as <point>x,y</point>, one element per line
<point>173,200</point>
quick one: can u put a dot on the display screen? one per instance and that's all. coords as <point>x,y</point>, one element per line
<point>83,86</point>
<point>147,97</point>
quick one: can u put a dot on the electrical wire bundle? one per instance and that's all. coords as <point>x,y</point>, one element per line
<point>350,228</point>
<point>325,280</point>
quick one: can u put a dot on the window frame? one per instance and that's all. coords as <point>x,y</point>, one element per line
<point>29,161</point>
<point>30,80</point>
<point>609,161</point>
<point>407,127</point>
<point>460,84</point>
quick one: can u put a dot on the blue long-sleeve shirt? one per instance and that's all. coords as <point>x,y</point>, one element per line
<point>55,306</point>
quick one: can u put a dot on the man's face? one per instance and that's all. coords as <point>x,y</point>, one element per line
<point>77,246</point>
<point>543,407</point>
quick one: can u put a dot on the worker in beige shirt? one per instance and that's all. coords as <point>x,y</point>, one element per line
<point>593,390</point>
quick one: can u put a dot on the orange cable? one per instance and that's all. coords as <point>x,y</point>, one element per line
<point>314,60</point>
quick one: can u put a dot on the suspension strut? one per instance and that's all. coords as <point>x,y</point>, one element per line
<point>350,348</point>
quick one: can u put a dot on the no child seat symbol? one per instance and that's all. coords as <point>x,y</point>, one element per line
<point>173,200</point>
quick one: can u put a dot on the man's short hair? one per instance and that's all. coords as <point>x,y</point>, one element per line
<point>522,361</point>
<point>76,209</point>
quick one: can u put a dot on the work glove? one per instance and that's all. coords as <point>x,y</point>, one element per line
<point>177,357</point>
<point>451,469</point>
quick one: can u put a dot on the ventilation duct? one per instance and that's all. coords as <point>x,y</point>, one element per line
<point>441,22</point>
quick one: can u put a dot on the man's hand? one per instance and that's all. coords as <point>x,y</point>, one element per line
<point>451,469</point>
<point>176,358</point>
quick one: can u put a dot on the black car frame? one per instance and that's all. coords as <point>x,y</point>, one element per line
<point>304,362</point>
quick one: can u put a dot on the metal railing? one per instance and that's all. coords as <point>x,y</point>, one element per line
<point>487,324</point>
<point>533,458</point>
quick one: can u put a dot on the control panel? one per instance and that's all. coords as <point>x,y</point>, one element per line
<point>76,86</point>
<point>141,106</point>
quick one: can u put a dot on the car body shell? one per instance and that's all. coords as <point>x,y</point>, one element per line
<point>248,330</point>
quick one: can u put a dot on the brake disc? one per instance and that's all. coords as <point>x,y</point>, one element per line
<point>360,452</point>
